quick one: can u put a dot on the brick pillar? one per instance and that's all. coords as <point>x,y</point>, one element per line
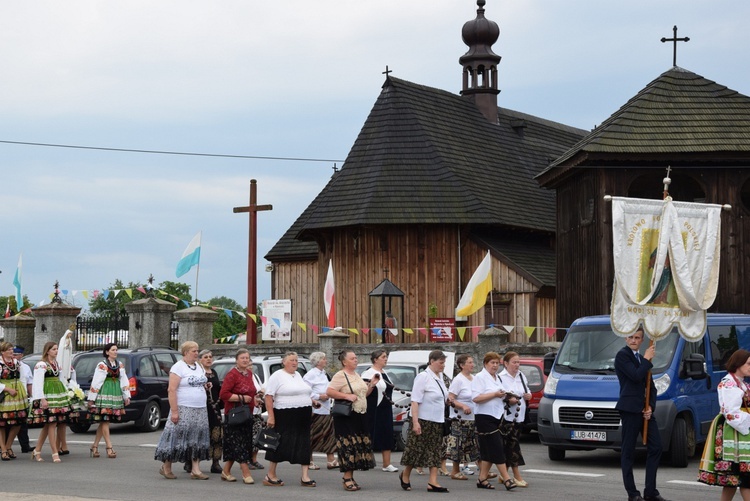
<point>19,330</point>
<point>52,320</point>
<point>149,322</point>
<point>196,324</point>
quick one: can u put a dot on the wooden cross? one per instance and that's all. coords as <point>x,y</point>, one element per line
<point>674,40</point>
<point>252,279</point>
<point>387,71</point>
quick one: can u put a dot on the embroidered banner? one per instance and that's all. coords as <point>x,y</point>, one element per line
<point>666,257</point>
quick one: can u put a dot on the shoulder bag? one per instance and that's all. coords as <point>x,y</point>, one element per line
<point>447,421</point>
<point>342,407</point>
<point>239,414</point>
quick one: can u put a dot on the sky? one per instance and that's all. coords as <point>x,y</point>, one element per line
<point>293,79</point>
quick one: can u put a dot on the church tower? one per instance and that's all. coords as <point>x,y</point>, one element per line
<point>480,63</point>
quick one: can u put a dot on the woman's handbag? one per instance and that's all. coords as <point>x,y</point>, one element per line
<point>341,407</point>
<point>240,414</point>
<point>447,421</point>
<point>267,439</point>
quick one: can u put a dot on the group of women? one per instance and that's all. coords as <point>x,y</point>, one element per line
<point>486,414</point>
<point>51,404</point>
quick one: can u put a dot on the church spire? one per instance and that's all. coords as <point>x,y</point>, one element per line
<point>480,63</point>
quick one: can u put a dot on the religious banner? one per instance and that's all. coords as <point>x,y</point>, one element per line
<point>441,329</point>
<point>278,324</point>
<point>666,258</point>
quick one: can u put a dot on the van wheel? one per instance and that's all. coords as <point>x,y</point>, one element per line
<point>678,447</point>
<point>398,442</point>
<point>151,419</point>
<point>556,454</point>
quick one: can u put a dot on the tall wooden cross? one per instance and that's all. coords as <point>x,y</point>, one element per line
<point>252,278</point>
<point>674,40</point>
<point>387,72</point>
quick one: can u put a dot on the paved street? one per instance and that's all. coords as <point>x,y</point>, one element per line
<point>134,476</point>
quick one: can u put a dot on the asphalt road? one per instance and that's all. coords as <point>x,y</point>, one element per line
<point>134,476</point>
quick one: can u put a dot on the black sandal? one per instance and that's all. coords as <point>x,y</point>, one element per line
<point>509,484</point>
<point>309,483</point>
<point>404,485</point>
<point>350,485</point>
<point>484,484</point>
<point>436,488</point>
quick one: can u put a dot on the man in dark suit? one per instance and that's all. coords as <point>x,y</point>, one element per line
<point>632,371</point>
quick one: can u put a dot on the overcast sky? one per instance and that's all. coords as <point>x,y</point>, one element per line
<point>279,79</point>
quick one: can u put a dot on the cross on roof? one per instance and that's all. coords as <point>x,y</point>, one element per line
<point>387,71</point>
<point>674,40</point>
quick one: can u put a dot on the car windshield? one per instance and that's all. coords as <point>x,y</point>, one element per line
<point>592,348</point>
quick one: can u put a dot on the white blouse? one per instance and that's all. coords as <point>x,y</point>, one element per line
<point>515,386</point>
<point>288,390</point>
<point>100,375</point>
<point>317,380</point>
<point>483,383</point>
<point>430,393</point>
<point>461,387</point>
<point>731,405</point>
<point>37,386</point>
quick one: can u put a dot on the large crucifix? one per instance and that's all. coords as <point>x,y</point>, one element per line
<point>252,277</point>
<point>674,40</point>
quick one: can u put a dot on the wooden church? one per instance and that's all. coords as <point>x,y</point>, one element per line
<point>433,181</point>
<point>700,129</point>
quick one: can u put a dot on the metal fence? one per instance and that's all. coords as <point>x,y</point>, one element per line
<point>93,331</point>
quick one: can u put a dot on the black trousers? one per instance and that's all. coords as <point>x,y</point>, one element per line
<point>632,425</point>
<point>23,437</point>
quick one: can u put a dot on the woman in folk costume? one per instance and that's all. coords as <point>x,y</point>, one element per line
<point>108,396</point>
<point>726,456</point>
<point>51,405</point>
<point>14,406</point>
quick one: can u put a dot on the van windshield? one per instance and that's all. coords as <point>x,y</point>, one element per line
<point>592,348</point>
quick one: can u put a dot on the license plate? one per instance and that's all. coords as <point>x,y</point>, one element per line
<point>595,436</point>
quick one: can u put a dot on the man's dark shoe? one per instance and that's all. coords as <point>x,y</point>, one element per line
<point>635,498</point>
<point>655,498</point>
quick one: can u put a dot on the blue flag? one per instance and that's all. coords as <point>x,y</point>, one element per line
<point>191,256</point>
<point>17,283</point>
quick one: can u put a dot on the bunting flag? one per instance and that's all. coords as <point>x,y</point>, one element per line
<point>461,332</point>
<point>354,331</point>
<point>191,257</point>
<point>509,328</point>
<point>378,331</point>
<point>550,331</point>
<point>314,328</point>
<point>139,289</point>
<point>408,331</point>
<point>365,331</point>
<point>302,326</point>
<point>475,294</point>
<point>263,320</point>
<point>254,317</point>
<point>17,284</point>
<point>529,331</point>
<point>329,297</point>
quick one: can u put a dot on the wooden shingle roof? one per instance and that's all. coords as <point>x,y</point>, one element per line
<point>679,116</point>
<point>427,156</point>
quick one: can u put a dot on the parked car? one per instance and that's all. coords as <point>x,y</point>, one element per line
<point>148,372</point>
<point>403,366</point>
<point>263,366</point>
<point>533,369</point>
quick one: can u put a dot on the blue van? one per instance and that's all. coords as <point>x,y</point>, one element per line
<point>577,411</point>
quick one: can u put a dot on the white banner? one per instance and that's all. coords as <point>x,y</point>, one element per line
<point>278,319</point>
<point>666,257</point>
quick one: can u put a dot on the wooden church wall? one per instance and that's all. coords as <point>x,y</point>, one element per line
<point>421,261</point>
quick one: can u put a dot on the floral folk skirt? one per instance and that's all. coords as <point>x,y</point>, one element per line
<point>726,456</point>
<point>186,440</point>
<point>512,439</point>
<point>425,449</point>
<point>238,442</point>
<point>109,405</point>
<point>462,444</point>
<point>58,404</point>
<point>353,442</point>
<point>14,409</point>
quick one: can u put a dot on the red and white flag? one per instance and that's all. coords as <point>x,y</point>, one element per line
<point>7,309</point>
<point>328,297</point>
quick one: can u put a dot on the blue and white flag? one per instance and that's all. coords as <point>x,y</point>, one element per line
<point>191,256</point>
<point>17,283</point>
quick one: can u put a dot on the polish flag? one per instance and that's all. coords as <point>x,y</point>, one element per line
<point>328,297</point>
<point>7,309</point>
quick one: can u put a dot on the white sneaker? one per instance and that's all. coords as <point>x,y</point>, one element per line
<point>467,471</point>
<point>390,469</point>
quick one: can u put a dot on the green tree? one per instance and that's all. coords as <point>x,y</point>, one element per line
<point>13,308</point>
<point>226,326</point>
<point>106,304</point>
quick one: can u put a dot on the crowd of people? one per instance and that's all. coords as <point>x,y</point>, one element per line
<point>473,419</point>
